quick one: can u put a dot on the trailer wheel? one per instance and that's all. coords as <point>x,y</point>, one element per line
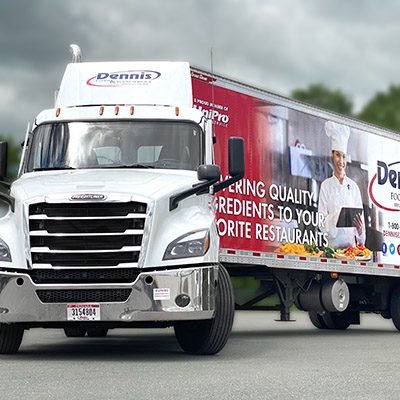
<point>75,332</point>
<point>317,320</point>
<point>395,307</point>
<point>97,332</point>
<point>10,338</point>
<point>210,336</point>
<point>336,320</point>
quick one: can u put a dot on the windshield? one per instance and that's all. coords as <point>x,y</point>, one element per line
<point>116,144</point>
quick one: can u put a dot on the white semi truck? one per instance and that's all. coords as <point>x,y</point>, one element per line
<point>110,222</point>
<point>119,216</point>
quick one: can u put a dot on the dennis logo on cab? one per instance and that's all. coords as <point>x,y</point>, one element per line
<point>123,78</point>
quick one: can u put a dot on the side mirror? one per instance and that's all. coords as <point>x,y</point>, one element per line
<point>3,159</point>
<point>236,163</point>
<point>3,173</point>
<point>236,156</point>
<point>208,172</point>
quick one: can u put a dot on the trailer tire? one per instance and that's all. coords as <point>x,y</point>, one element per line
<point>208,337</point>
<point>97,332</point>
<point>10,338</point>
<point>395,307</point>
<point>317,320</point>
<point>336,320</point>
<point>75,332</point>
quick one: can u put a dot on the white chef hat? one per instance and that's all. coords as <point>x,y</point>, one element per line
<point>339,135</point>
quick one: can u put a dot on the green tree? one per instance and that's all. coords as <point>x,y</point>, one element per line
<point>320,95</point>
<point>383,109</point>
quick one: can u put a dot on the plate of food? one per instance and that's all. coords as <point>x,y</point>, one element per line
<point>358,253</point>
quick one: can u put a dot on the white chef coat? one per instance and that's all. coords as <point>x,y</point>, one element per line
<point>332,197</point>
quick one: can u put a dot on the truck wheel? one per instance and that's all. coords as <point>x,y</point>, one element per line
<point>334,320</point>
<point>10,338</point>
<point>317,320</point>
<point>210,336</point>
<point>97,332</point>
<point>395,307</point>
<point>75,332</point>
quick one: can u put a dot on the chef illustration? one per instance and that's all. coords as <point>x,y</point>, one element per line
<point>338,192</point>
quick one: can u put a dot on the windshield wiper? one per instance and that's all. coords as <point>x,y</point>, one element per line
<point>127,166</point>
<point>51,168</point>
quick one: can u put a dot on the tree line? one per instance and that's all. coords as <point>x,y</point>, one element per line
<point>382,110</point>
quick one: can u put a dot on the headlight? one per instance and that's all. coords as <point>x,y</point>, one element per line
<point>5,254</point>
<point>193,244</point>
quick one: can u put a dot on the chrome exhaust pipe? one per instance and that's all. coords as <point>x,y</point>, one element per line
<point>76,53</point>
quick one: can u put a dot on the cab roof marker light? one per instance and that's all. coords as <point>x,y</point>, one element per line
<point>132,110</point>
<point>177,111</point>
<point>101,112</point>
<point>58,112</point>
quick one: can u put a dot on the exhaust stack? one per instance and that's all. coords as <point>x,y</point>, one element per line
<point>76,53</point>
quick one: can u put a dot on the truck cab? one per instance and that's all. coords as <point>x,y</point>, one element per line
<point>111,221</point>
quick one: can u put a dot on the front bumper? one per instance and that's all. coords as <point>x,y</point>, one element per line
<point>151,299</point>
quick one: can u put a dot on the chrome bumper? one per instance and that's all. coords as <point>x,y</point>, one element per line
<point>147,302</point>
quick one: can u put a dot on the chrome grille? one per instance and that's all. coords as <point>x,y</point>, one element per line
<point>86,234</point>
<point>83,276</point>
<point>83,296</point>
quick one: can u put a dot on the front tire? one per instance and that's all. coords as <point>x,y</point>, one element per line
<point>10,338</point>
<point>210,336</point>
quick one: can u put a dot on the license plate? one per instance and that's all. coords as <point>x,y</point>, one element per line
<point>83,312</point>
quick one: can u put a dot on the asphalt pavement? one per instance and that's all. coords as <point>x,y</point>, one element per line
<point>263,359</point>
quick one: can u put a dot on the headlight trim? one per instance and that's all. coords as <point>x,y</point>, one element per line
<point>192,244</point>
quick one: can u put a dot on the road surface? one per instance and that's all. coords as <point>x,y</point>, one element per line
<point>263,359</point>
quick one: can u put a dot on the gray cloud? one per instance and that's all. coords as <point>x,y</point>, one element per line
<point>276,45</point>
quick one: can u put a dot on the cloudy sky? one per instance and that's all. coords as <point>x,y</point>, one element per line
<point>275,44</point>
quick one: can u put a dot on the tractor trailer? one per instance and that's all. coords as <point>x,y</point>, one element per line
<point>155,194</point>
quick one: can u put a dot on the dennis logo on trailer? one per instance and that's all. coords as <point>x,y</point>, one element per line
<point>384,188</point>
<point>123,78</point>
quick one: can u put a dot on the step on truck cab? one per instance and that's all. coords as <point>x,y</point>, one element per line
<point>111,221</point>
